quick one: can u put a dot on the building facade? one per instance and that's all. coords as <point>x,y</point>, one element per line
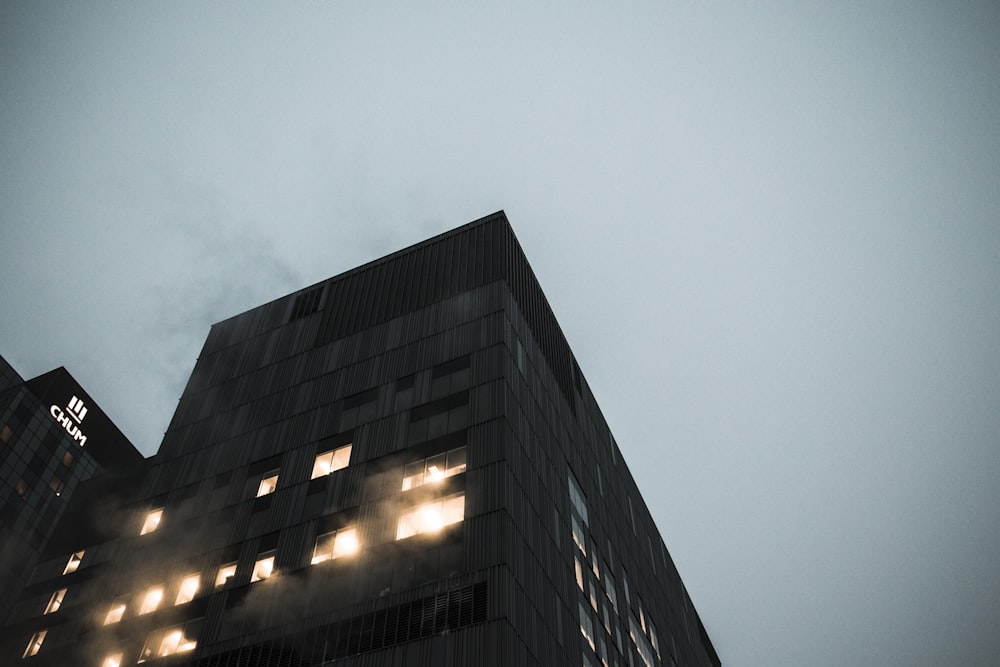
<point>53,438</point>
<point>400,466</point>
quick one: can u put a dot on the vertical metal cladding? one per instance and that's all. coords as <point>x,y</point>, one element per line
<point>471,256</point>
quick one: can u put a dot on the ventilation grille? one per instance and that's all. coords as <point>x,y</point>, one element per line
<point>306,303</point>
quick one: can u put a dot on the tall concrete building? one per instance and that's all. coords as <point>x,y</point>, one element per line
<point>402,465</point>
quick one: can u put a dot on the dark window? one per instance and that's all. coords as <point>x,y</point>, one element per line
<point>450,377</point>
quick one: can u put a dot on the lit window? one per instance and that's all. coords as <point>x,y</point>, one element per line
<point>35,644</point>
<point>152,521</point>
<point>166,642</point>
<point>74,562</point>
<point>331,461</point>
<point>57,485</point>
<point>343,542</point>
<point>6,434</point>
<point>263,568</point>
<point>587,626</point>
<point>578,537</point>
<point>268,484</point>
<point>22,489</point>
<point>594,565</point>
<point>115,613</point>
<point>431,517</point>
<point>226,572</point>
<point>188,588</point>
<point>579,573</point>
<point>55,601</point>
<point>114,660</point>
<point>151,600</point>
<point>434,469</point>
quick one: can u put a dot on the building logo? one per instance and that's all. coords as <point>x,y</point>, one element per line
<point>71,417</point>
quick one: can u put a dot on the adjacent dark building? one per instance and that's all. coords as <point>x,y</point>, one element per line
<point>400,466</point>
<point>53,438</point>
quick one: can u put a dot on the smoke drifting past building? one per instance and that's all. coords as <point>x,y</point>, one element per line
<point>401,465</point>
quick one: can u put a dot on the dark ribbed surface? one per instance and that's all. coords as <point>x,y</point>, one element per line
<point>466,258</point>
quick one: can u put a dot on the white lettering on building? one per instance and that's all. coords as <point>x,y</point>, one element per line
<point>70,418</point>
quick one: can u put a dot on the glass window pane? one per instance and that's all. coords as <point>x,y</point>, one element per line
<point>346,543</point>
<point>453,510</point>
<point>152,521</point>
<point>115,613</point>
<point>188,588</point>
<point>262,569</point>
<point>456,461</point>
<point>226,572</point>
<point>151,600</point>
<point>268,484</point>
<point>435,468</point>
<point>413,475</point>
<point>342,457</point>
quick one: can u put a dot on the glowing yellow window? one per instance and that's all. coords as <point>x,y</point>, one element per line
<point>166,642</point>
<point>343,542</point>
<point>113,660</point>
<point>268,484</point>
<point>115,613</point>
<point>35,644</point>
<point>226,572</point>
<point>434,469</point>
<point>331,461</point>
<point>55,601</point>
<point>152,521</point>
<point>74,562</point>
<point>431,517</point>
<point>263,568</point>
<point>151,599</point>
<point>188,588</point>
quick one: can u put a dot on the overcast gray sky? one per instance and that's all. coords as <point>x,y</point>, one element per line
<point>789,210</point>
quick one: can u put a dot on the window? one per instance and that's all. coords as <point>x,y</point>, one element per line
<point>645,650</point>
<point>151,600</point>
<point>434,469</point>
<point>226,572</point>
<point>35,644</point>
<point>578,537</point>
<point>22,489</point>
<point>586,626</point>
<point>166,642</point>
<point>343,542</point>
<point>609,589</point>
<point>579,573</point>
<point>74,562</point>
<point>268,483</point>
<point>263,568</point>
<point>113,660</point>
<point>331,461</point>
<point>6,434</point>
<point>577,499</point>
<point>55,601</point>
<point>116,612</point>
<point>188,588</point>
<point>152,521</point>
<point>431,517</point>
<point>57,485</point>
<point>434,419</point>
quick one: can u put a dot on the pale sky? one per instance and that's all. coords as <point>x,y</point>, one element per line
<point>770,232</point>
